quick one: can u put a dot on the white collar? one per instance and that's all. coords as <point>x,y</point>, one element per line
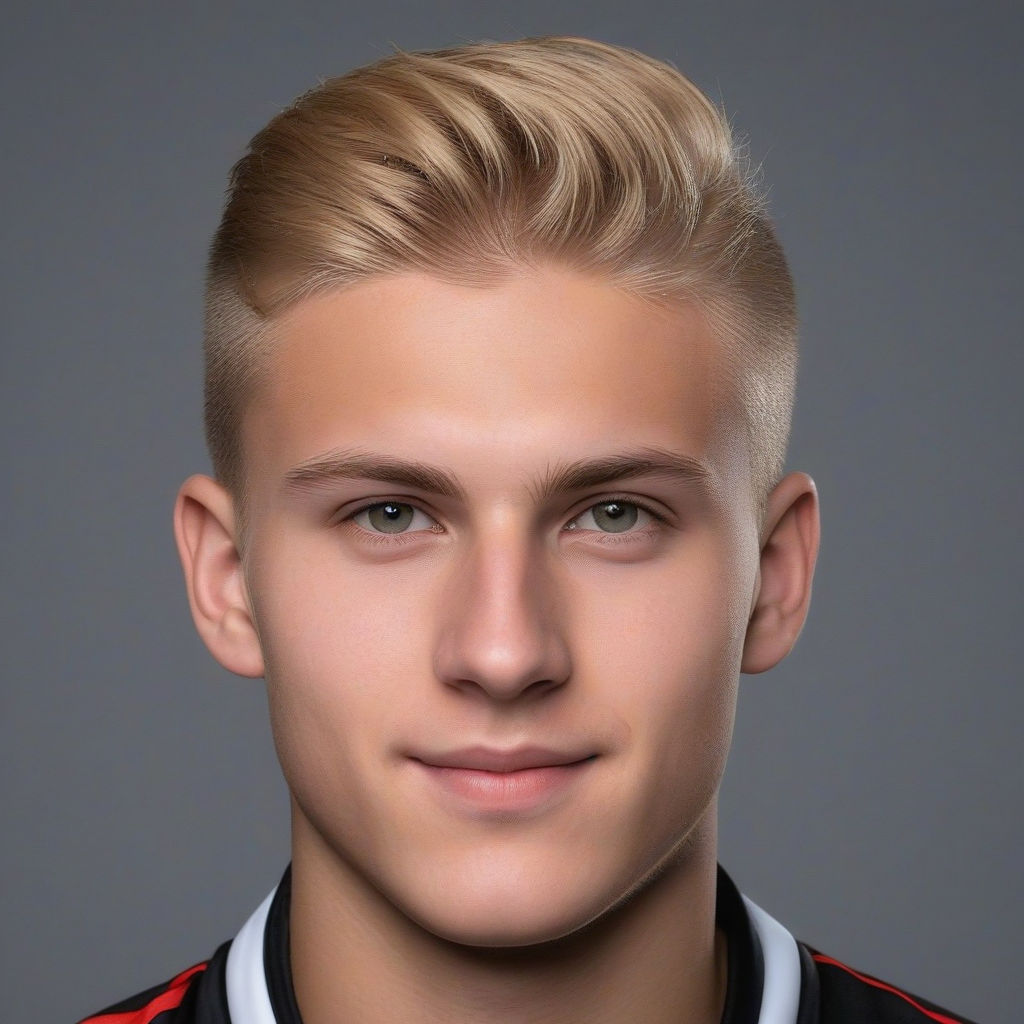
<point>249,1000</point>
<point>780,996</point>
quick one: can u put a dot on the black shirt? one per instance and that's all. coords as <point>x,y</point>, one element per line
<point>772,979</point>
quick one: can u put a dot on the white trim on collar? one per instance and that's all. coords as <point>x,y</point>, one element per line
<point>249,1000</point>
<point>780,997</point>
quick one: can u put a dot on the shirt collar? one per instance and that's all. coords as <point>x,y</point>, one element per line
<point>763,984</point>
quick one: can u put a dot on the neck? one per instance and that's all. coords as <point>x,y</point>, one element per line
<point>654,958</point>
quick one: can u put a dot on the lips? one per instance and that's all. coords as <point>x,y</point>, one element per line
<point>485,781</point>
<point>490,759</point>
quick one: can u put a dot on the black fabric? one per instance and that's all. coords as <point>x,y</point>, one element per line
<point>136,1002</point>
<point>277,958</point>
<point>810,994</point>
<point>855,996</point>
<point>209,995</point>
<point>204,1000</point>
<point>745,983</point>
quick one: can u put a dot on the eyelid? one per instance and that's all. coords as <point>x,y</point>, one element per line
<point>347,516</point>
<point>366,505</point>
<point>651,508</point>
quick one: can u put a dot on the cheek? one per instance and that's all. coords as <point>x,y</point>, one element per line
<point>675,627</point>
<point>340,656</point>
<point>333,627</point>
<point>667,647</point>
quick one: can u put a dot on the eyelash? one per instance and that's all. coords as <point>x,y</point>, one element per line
<point>391,539</point>
<point>627,536</point>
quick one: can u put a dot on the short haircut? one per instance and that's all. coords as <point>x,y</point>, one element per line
<point>470,163</point>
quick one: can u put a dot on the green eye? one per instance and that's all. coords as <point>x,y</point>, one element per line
<point>389,517</point>
<point>615,516</point>
<point>611,517</point>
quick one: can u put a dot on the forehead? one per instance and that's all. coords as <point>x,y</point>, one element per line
<point>545,364</point>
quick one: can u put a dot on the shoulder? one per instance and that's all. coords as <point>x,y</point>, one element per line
<point>847,994</point>
<point>186,998</point>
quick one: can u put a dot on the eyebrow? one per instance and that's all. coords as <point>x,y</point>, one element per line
<point>557,479</point>
<point>358,465</point>
<point>646,462</point>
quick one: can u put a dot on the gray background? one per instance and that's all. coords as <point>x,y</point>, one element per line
<point>873,799</point>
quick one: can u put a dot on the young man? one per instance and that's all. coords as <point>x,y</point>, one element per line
<point>500,364</point>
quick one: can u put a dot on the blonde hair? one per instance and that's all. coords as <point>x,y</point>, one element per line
<point>470,162</point>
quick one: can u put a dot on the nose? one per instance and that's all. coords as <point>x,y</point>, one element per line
<point>501,629</point>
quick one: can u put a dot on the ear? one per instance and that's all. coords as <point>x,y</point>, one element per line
<point>789,548</point>
<point>205,531</point>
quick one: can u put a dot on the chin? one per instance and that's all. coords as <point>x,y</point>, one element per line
<point>499,927</point>
<point>509,908</point>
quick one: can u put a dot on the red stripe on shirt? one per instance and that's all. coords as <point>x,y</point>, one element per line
<point>169,999</point>
<point>941,1018</point>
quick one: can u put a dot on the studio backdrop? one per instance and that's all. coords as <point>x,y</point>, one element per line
<point>873,797</point>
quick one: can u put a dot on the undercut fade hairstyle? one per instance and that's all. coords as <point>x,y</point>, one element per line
<point>472,163</point>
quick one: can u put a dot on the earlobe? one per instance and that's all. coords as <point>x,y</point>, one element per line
<point>204,529</point>
<point>789,549</point>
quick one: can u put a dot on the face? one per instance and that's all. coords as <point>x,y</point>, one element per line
<point>501,559</point>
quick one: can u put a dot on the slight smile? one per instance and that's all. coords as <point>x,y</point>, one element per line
<point>486,780</point>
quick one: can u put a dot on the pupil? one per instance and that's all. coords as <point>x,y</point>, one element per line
<point>616,516</point>
<point>391,517</point>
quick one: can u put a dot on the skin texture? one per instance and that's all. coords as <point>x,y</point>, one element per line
<point>512,609</point>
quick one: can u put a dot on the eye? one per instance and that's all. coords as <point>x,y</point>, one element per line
<point>393,517</point>
<point>611,517</point>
